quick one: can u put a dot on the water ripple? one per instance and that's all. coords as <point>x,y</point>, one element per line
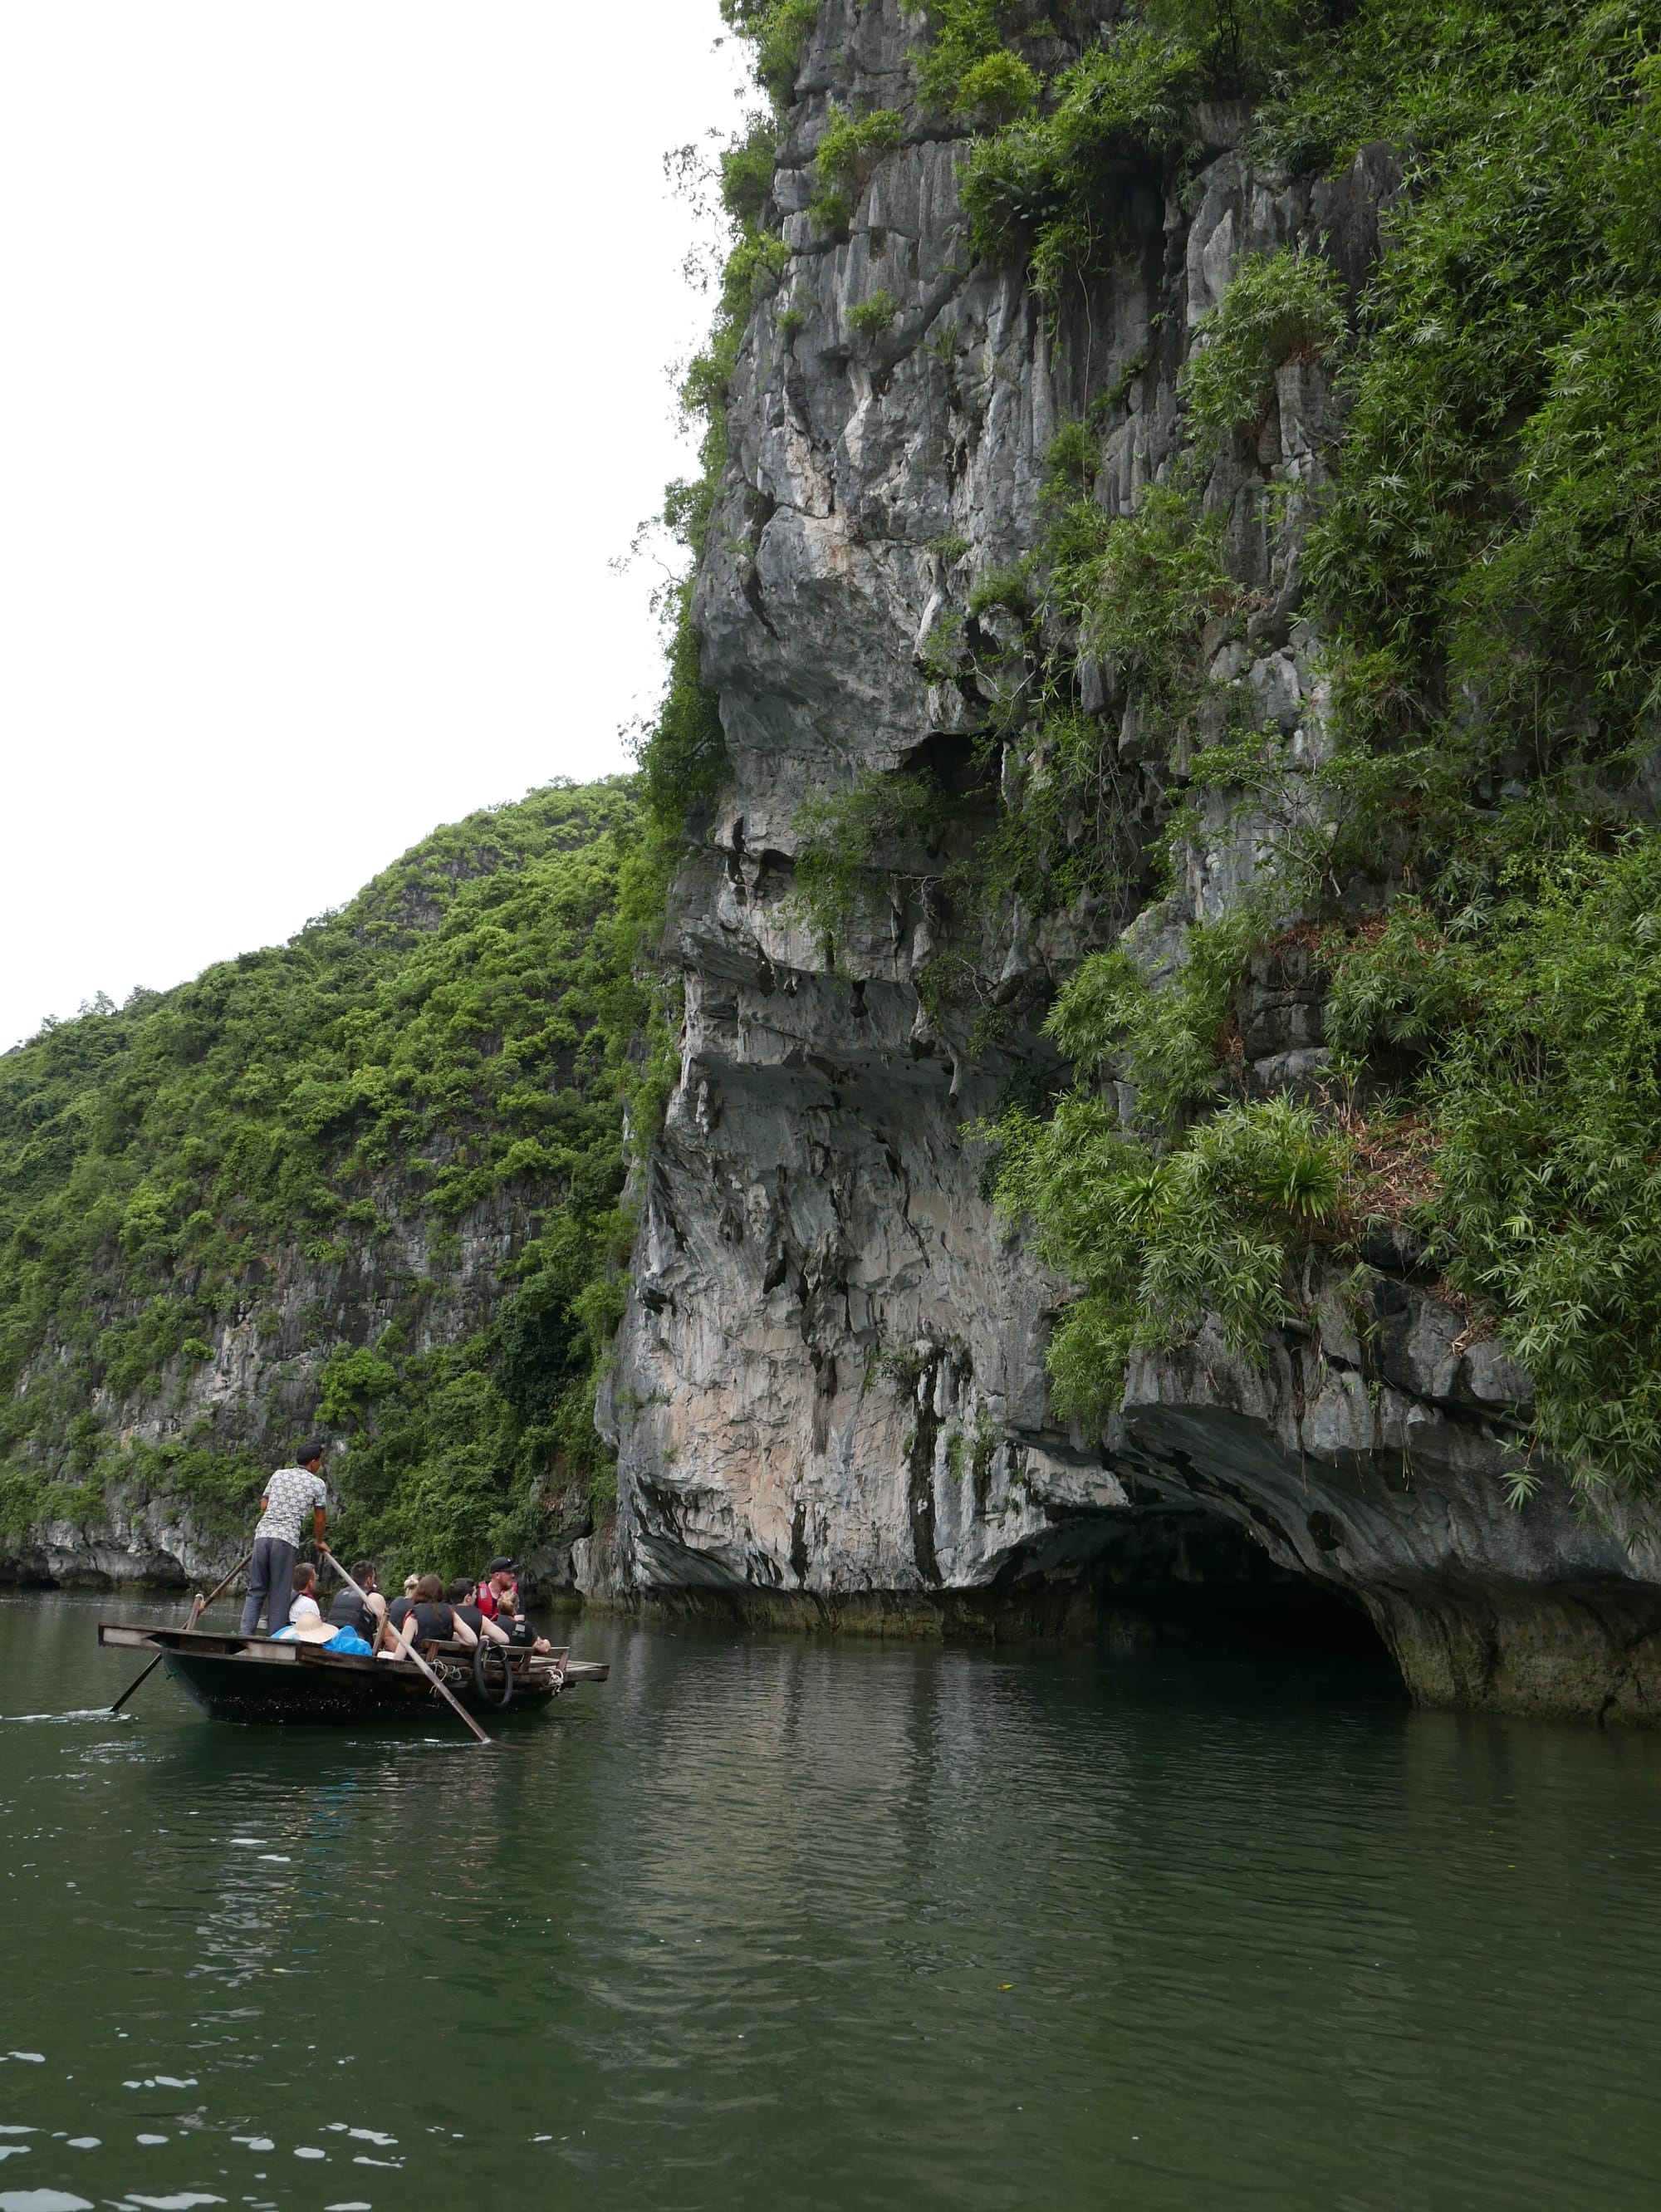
<point>829,1925</point>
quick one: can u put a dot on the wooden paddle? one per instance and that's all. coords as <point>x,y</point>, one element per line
<point>199,1606</point>
<point>408,1648</point>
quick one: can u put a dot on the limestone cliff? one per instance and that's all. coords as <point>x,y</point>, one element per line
<point>830,1396</point>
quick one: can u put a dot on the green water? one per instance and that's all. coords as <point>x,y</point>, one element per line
<point>768,1923</point>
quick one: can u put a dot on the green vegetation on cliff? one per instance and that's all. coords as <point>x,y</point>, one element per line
<point>1486,570</point>
<point>1483,567</point>
<point>324,1163</point>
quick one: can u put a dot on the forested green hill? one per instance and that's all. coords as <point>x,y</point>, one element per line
<point>365,1182</point>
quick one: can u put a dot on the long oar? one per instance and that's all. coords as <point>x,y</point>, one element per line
<point>198,1607</point>
<point>406,1644</point>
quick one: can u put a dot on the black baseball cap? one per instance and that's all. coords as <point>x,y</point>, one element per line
<point>503,1567</point>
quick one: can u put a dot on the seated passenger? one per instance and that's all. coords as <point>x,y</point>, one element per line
<point>499,1590</point>
<point>431,1620</point>
<point>363,1613</point>
<point>498,1598</point>
<point>387,1645</point>
<point>304,1604</point>
<point>306,1622</point>
<point>462,1605</point>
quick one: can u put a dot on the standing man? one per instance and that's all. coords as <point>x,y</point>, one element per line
<point>288,1494</point>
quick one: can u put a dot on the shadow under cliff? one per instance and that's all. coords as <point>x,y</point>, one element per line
<point>1131,1582</point>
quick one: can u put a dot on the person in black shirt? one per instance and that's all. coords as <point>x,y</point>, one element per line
<point>429,1618</point>
<point>397,1613</point>
<point>463,1607</point>
<point>400,1615</point>
<point>365,1614</point>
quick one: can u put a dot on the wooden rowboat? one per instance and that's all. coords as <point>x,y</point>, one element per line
<point>250,1677</point>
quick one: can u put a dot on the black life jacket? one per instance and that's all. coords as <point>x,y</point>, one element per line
<point>349,1610</point>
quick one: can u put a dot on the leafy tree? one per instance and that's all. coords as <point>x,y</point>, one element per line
<point>464,1035</point>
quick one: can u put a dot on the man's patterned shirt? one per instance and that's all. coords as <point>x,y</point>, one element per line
<point>289,1496</point>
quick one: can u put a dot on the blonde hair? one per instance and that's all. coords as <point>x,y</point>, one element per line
<point>411,1582</point>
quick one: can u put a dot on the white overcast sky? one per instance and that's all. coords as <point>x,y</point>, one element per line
<point>335,376</point>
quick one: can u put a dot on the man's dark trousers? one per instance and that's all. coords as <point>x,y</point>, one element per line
<point>270,1585</point>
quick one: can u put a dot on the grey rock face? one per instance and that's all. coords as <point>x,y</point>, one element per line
<point>831,1378</point>
<point>260,1386</point>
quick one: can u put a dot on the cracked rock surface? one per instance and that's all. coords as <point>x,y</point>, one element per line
<point>830,1398</point>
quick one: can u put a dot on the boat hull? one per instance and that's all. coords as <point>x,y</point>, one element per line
<point>316,1697</point>
<point>253,1681</point>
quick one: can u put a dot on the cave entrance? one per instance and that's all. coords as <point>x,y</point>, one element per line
<point>1184,1576</point>
<point>1293,1618</point>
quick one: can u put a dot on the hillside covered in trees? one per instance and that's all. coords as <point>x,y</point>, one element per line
<point>365,1183</point>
